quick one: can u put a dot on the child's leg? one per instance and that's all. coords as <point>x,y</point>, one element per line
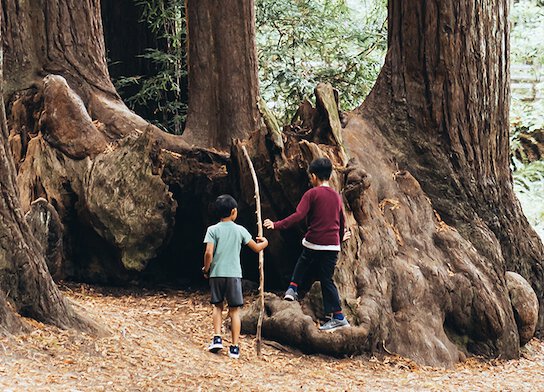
<point>303,263</point>
<point>235,299</point>
<point>217,318</point>
<point>235,324</point>
<point>326,265</point>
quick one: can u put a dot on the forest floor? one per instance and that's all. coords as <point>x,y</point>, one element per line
<point>158,342</point>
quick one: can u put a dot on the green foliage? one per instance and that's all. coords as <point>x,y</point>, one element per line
<point>303,42</point>
<point>162,92</point>
<point>527,33</point>
<point>528,116</point>
<point>529,187</point>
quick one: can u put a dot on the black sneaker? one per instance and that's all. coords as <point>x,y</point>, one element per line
<point>216,344</point>
<point>234,352</point>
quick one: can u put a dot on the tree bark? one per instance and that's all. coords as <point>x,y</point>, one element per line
<point>24,280</point>
<point>449,102</point>
<point>222,66</point>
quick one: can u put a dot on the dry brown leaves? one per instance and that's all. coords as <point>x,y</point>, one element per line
<point>158,343</point>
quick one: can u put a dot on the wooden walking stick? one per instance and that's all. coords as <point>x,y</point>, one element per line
<point>261,253</point>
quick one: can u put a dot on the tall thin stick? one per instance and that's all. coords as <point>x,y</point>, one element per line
<point>261,253</point>
<point>3,121</point>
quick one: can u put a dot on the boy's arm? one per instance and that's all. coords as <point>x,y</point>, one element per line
<point>345,234</point>
<point>302,210</point>
<point>256,247</point>
<point>208,257</point>
<point>342,224</point>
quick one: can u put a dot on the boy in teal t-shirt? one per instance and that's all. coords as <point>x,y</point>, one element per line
<point>222,264</point>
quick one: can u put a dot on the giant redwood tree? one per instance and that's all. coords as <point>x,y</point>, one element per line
<point>26,287</point>
<point>440,236</point>
<point>76,144</point>
<point>434,268</point>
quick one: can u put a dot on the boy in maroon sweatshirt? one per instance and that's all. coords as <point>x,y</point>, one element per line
<point>324,213</point>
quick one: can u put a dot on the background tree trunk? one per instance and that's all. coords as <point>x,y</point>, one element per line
<point>222,66</point>
<point>126,37</point>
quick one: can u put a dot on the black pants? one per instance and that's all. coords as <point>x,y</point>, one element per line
<point>324,262</point>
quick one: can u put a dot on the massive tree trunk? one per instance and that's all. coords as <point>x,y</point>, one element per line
<point>449,102</point>
<point>222,66</point>
<point>26,287</point>
<point>118,183</point>
<point>448,99</point>
<point>430,199</point>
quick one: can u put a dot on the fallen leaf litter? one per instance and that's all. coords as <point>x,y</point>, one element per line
<point>158,342</point>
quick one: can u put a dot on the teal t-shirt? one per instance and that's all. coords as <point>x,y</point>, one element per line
<point>227,238</point>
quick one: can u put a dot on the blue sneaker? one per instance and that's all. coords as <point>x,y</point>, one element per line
<point>334,324</point>
<point>234,352</point>
<point>291,295</point>
<point>216,344</point>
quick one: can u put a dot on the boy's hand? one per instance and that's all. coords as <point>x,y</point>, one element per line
<point>268,224</point>
<point>347,235</point>
<point>258,245</point>
<point>205,272</point>
<point>262,240</point>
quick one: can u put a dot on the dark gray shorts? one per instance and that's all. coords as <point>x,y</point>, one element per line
<point>227,288</point>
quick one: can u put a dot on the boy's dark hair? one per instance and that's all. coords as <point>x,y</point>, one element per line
<point>224,205</point>
<point>322,168</point>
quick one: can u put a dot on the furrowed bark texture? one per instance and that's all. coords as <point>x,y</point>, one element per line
<point>448,95</point>
<point>222,66</point>
<point>56,36</point>
<point>24,279</point>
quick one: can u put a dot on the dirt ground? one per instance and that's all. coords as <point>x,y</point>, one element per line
<point>158,342</point>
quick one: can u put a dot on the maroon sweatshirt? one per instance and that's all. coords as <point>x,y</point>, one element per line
<point>324,213</point>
